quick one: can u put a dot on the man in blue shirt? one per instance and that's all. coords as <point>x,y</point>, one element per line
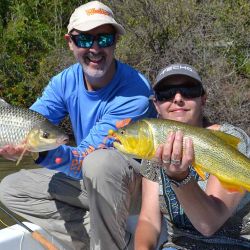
<point>83,192</point>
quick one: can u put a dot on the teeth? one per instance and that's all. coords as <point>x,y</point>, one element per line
<point>94,57</point>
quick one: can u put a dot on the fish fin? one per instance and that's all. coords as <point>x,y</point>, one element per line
<point>232,188</point>
<point>21,156</point>
<point>123,123</point>
<point>199,171</point>
<point>3,103</point>
<point>230,139</point>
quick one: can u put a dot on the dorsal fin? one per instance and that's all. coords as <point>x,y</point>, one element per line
<point>229,139</point>
<point>3,103</point>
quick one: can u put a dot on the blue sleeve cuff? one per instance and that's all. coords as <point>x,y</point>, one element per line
<point>43,159</point>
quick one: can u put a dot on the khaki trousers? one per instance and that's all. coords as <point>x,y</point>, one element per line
<point>82,214</point>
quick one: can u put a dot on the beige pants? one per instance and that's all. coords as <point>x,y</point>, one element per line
<point>86,214</point>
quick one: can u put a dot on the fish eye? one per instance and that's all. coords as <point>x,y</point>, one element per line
<point>45,135</point>
<point>122,131</point>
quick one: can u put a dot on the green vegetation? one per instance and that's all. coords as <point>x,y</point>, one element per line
<point>214,36</point>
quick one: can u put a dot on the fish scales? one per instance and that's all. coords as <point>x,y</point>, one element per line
<point>16,123</point>
<point>209,152</point>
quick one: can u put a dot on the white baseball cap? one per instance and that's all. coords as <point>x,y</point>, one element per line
<point>91,15</point>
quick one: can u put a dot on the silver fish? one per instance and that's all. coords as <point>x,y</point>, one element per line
<point>19,126</point>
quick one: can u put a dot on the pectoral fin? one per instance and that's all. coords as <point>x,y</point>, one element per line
<point>35,155</point>
<point>232,188</point>
<point>21,156</point>
<point>199,171</point>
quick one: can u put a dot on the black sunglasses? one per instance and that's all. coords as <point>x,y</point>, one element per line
<point>187,91</point>
<point>84,40</point>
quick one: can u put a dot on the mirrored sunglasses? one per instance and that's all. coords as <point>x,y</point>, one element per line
<point>187,91</point>
<point>84,40</point>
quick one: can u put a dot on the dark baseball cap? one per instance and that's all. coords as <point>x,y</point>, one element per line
<point>175,71</point>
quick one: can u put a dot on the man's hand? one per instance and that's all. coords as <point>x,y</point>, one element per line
<point>11,152</point>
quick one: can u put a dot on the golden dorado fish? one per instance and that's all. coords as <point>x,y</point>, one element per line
<point>215,152</point>
<point>25,127</point>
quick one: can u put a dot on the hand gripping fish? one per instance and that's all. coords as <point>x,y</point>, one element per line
<point>215,152</point>
<point>25,127</point>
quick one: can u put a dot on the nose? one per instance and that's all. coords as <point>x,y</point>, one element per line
<point>95,46</point>
<point>178,98</point>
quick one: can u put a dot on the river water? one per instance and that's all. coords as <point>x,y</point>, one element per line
<point>6,168</point>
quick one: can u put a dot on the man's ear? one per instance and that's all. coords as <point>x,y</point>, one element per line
<point>117,37</point>
<point>69,41</point>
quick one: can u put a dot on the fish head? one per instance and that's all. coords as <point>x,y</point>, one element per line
<point>45,137</point>
<point>135,140</point>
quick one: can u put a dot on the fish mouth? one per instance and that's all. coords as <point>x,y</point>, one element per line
<point>118,145</point>
<point>128,144</point>
<point>62,140</point>
<point>134,142</point>
<point>123,148</point>
<point>118,142</point>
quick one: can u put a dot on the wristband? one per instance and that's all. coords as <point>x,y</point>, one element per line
<point>183,182</point>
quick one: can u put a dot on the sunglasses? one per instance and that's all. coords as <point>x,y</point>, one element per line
<point>83,40</point>
<point>187,91</point>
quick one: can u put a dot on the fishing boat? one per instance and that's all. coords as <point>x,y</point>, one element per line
<point>16,237</point>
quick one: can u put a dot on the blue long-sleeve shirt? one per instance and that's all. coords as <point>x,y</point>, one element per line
<point>92,113</point>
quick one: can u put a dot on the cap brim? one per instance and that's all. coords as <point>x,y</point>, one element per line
<point>165,79</point>
<point>94,24</point>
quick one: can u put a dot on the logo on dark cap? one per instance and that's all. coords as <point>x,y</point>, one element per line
<point>176,67</point>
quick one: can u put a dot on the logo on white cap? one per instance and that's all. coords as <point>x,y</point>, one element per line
<point>101,11</point>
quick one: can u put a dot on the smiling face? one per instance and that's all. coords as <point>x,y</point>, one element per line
<point>180,108</point>
<point>98,63</point>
